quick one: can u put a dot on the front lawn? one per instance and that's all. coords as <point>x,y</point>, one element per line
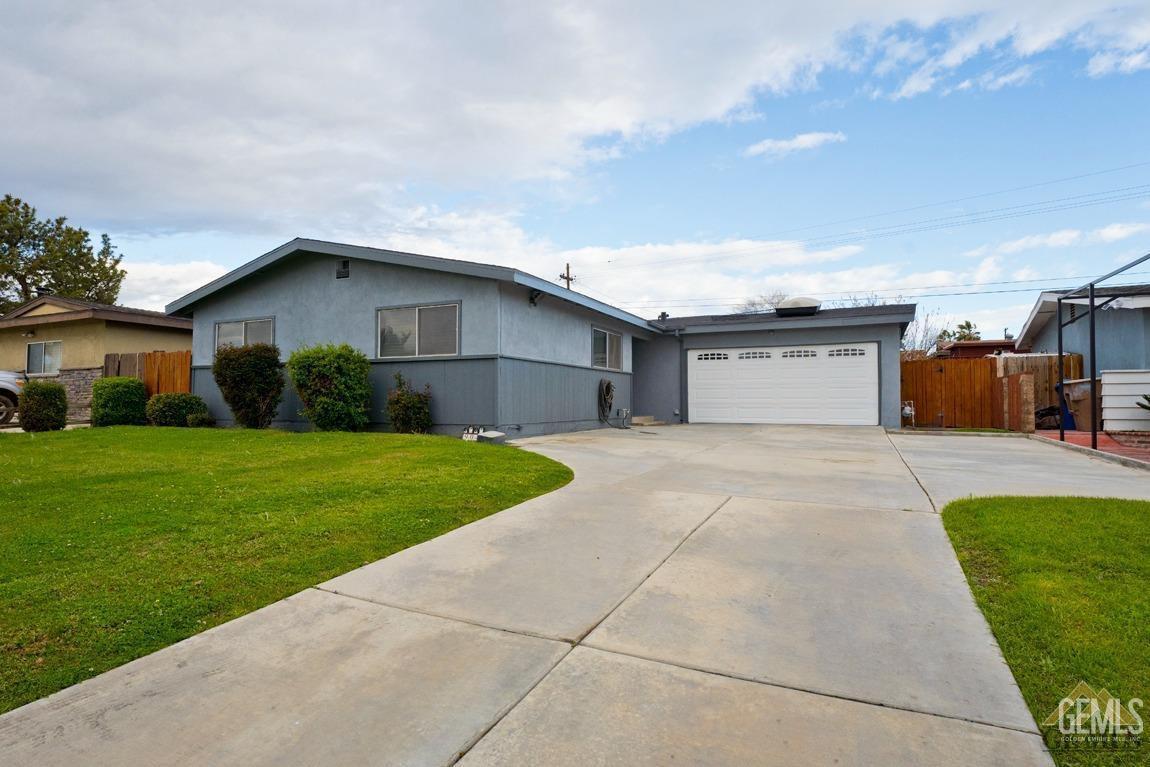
<point>1065,585</point>
<point>116,542</point>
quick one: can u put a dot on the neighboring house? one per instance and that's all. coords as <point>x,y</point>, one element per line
<point>65,339</point>
<point>504,349</point>
<point>965,350</point>
<point>1122,329</point>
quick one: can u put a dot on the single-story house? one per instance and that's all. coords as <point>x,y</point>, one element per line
<point>65,339</point>
<point>966,350</point>
<point>507,350</point>
<point>1122,328</point>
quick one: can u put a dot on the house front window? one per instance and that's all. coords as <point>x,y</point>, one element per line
<point>245,332</point>
<point>606,350</point>
<point>44,358</point>
<point>419,331</point>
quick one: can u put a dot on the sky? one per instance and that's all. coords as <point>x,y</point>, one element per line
<point>961,154</point>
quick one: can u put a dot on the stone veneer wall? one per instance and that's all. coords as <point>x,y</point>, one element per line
<point>78,383</point>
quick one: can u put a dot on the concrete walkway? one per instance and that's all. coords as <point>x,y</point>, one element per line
<point>699,594</point>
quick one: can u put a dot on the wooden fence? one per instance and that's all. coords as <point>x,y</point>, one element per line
<point>161,372</point>
<point>983,393</point>
<point>954,392</point>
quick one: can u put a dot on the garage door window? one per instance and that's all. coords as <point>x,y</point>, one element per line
<point>712,356</point>
<point>754,355</point>
<point>606,350</point>
<point>799,353</point>
<point>851,352</point>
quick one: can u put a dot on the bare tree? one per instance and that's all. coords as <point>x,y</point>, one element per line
<point>921,336</point>
<point>762,303</point>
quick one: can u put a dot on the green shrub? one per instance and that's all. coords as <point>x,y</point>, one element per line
<point>408,410</point>
<point>332,382</point>
<point>119,400</point>
<point>201,420</point>
<point>251,379</point>
<point>174,408</point>
<point>43,406</point>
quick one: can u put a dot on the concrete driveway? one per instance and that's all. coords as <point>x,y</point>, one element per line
<point>699,594</point>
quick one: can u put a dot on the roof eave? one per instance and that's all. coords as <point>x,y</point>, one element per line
<point>797,323</point>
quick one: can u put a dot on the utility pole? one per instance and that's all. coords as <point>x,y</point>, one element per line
<point>567,276</point>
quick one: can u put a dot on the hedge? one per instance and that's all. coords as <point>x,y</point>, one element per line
<point>409,410</point>
<point>332,382</point>
<point>119,401</point>
<point>43,406</point>
<point>174,408</point>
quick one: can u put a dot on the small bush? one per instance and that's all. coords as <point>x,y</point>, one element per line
<point>174,408</point>
<point>201,420</point>
<point>43,406</point>
<point>119,401</point>
<point>332,382</point>
<point>408,410</point>
<point>251,379</point>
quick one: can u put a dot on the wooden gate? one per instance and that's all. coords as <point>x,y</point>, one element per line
<point>161,372</point>
<point>963,393</point>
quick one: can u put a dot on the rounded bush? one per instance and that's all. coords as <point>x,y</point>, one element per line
<point>201,420</point>
<point>43,406</point>
<point>408,410</point>
<point>119,401</point>
<point>251,380</point>
<point>174,408</point>
<point>332,382</point>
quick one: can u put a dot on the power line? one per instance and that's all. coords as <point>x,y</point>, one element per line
<point>870,291</point>
<point>1070,202</point>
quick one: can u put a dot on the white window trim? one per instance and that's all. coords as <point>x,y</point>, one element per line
<point>33,343</point>
<point>216,340</point>
<point>609,333</point>
<point>458,305</point>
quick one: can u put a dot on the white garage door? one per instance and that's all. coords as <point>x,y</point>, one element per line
<point>827,384</point>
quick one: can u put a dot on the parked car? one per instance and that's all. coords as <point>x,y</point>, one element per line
<point>10,386</point>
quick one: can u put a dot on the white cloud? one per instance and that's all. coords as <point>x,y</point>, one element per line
<point>1111,62</point>
<point>1061,239</point>
<point>261,116</point>
<point>150,285</point>
<point>1116,232</point>
<point>776,147</point>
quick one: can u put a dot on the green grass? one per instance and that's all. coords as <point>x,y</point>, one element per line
<point>116,542</point>
<point>1065,585</point>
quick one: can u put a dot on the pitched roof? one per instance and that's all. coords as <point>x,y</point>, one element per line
<point>184,305</point>
<point>79,309</point>
<point>852,315</point>
<point>1046,306</point>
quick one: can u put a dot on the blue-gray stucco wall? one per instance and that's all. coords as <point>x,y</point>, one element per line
<point>1122,337</point>
<point>523,369</point>
<point>659,396</point>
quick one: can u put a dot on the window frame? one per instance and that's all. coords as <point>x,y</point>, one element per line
<point>595,329</point>
<point>379,310</point>
<point>28,350</point>
<point>244,321</point>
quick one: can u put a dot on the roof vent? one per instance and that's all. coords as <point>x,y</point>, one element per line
<point>797,307</point>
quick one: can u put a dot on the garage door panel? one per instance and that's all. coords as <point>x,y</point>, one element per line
<point>825,383</point>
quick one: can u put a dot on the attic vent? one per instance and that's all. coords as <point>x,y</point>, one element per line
<point>754,355</point>
<point>849,352</point>
<point>712,356</point>
<point>343,269</point>
<point>792,353</point>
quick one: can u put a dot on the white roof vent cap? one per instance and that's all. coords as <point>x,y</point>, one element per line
<point>797,307</point>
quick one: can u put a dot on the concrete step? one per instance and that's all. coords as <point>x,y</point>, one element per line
<point>646,420</point>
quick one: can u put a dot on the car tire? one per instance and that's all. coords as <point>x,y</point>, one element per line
<point>7,409</point>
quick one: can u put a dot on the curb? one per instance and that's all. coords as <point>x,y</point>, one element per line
<point>1122,460</point>
<point>949,433</point>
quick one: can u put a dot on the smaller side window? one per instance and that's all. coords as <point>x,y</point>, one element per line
<point>245,332</point>
<point>606,349</point>
<point>44,358</point>
<point>343,269</point>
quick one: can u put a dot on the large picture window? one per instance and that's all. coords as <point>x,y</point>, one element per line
<point>245,332</point>
<point>419,331</point>
<point>44,358</point>
<point>606,350</point>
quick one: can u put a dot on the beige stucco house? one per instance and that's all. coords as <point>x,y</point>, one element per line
<point>66,339</point>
